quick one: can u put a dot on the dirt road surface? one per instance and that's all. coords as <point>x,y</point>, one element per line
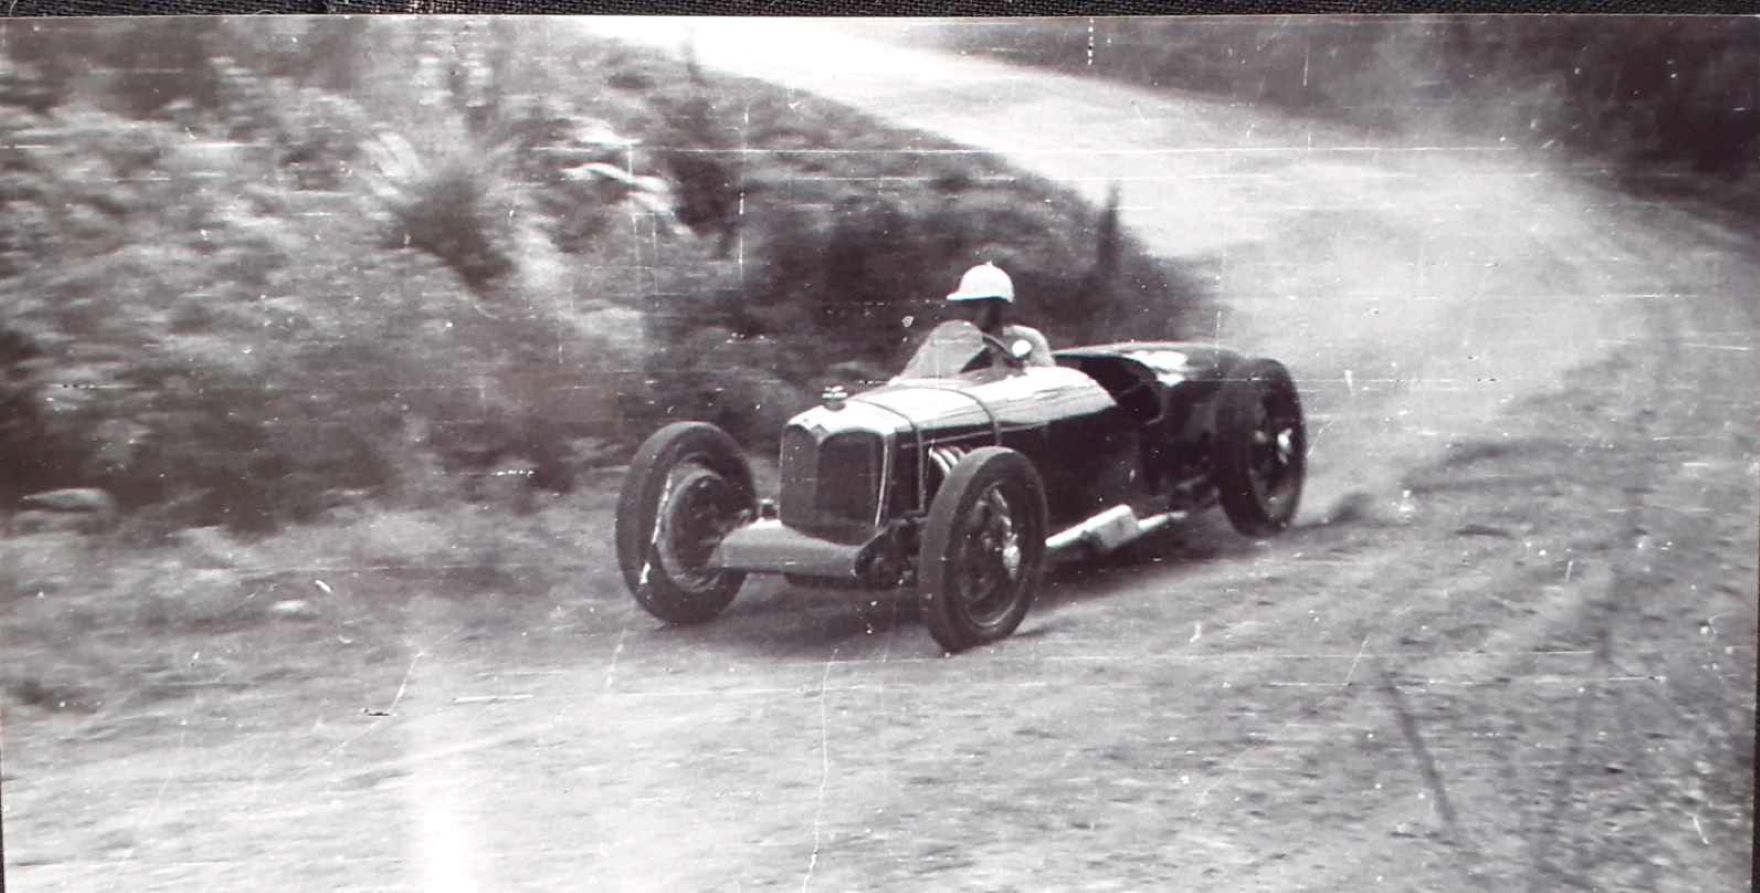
<point>1509,647</point>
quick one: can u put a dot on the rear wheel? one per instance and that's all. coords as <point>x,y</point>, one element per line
<point>1261,447</point>
<point>983,547</point>
<point>687,487</point>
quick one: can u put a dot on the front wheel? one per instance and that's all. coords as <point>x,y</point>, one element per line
<point>687,487</point>
<point>983,548</point>
<point>1261,448</point>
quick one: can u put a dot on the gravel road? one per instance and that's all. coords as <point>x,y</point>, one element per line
<point>1509,646</point>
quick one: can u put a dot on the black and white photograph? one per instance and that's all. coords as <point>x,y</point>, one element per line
<point>476,453</point>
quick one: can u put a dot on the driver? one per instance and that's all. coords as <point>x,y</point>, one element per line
<point>985,296</point>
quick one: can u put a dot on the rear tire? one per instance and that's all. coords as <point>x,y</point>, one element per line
<point>983,549</point>
<point>1261,447</point>
<point>687,486</point>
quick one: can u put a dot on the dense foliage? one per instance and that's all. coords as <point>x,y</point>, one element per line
<point>250,270</point>
<point>1648,99</point>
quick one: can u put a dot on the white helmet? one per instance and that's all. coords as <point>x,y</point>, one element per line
<point>983,281</point>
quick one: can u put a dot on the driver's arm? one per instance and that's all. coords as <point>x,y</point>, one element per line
<point>1041,353</point>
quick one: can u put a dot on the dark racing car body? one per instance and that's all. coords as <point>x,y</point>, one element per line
<point>962,474</point>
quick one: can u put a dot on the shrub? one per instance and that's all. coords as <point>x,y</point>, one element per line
<point>250,303</point>
<point>458,207</point>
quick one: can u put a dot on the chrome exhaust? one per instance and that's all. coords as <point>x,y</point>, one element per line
<point>1115,527</point>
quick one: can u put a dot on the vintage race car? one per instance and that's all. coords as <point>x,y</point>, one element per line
<point>963,474</point>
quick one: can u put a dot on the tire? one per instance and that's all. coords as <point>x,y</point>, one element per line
<point>966,603</point>
<point>1261,448</point>
<point>687,483</point>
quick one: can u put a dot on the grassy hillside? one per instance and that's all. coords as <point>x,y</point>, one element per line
<point>254,271</point>
<point>1660,103</point>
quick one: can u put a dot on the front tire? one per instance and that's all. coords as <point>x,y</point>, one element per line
<point>686,488</point>
<point>1261,447</point>
<point>983,548</point>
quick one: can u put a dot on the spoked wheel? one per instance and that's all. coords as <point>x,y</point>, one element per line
<point>1261,448</point>
<point>686,489</point>
<point>983,549</point>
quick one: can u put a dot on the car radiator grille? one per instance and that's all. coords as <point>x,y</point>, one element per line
<point>831,486</point>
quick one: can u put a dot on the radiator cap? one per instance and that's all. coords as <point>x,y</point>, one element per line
<point>834,397</point>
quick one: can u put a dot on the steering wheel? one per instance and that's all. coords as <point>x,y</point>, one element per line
<point>1001,347</point>
<point>1005,350</point>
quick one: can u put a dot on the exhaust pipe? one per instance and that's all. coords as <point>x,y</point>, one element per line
<point>1110,529</point>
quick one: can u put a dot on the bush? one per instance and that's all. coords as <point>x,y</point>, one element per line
<point>458,208</point>
<point>249,303</point>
